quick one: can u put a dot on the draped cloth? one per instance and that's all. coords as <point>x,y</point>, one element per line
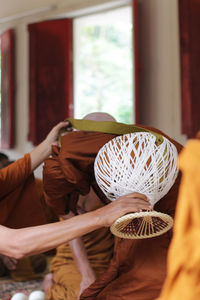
<point>183,276</point>
<point>70,170</point>
<point>66,276</point>
<point>20,202</point>
<point>138,268</point>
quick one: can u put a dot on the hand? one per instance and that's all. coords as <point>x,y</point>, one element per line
<point>130,203</point>
<point>9,262</point>
<point>47,282</point>
<point>44,149</point>
<point>86,282</point>
<point>52,137</point>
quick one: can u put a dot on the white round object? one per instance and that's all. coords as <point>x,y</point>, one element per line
<point>19,296</point>
<point>134,162</point>
<point>37,295</point>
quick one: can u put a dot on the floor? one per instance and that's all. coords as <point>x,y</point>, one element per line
<point>8,287</point>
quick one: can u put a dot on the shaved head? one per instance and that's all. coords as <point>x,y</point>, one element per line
<point>99,116</point>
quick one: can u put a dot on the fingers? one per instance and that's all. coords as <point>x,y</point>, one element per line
<point>10,263</point>
<point>142,204</point>
<point>67,130</point>
<point>65,125</point>
<point>62,124</point>
<point>47,282</point>
<point>140,201</point>
<point>52,137</point>
<point>137,195</point>
<point>64,128</point>
<point>137,206</point>
<point>134,202</point>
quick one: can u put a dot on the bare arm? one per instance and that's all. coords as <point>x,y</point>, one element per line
<point>43,150</point>
<point>81,260</point>
<point>18,243</point>
<point>32,240</point>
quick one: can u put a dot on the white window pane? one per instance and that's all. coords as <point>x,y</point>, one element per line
<point>103,73</point>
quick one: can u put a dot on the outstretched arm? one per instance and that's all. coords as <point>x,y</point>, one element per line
<point>28,241</point>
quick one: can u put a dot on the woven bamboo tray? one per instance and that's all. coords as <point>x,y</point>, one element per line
<point>142,225</point>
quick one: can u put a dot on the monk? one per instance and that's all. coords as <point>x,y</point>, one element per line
<point>29,195</point>
<point>18,243</point>
<point>78,263</point>
<point>183,275</point>
<point>138,268</point>
<point>27,268</point>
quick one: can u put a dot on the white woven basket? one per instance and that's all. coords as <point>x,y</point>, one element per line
<point>135,163</point>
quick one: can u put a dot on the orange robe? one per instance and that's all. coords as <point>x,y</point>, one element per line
<point>70,171</point>
<point>66,276</point>
<point>20,203</point>
<point>138,268</point>
<point>183,278</point>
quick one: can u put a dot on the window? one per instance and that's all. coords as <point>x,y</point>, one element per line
<point>103,64</point>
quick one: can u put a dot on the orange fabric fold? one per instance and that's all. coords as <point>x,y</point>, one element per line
<point>66,276</point>
<point>20,203</point>
<point>70,170</point>
<point>183,276</point>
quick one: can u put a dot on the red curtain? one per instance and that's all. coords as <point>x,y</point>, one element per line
<point>51,78</point>
<point>7,90</point>
<point>136,59</point>
<point>189,16</point>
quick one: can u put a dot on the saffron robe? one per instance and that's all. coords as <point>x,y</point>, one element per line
<point>20,201</point>
<point>66,276</point>
<point>138,268</point>
<point>22,205</point>
<point>183,276</point>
